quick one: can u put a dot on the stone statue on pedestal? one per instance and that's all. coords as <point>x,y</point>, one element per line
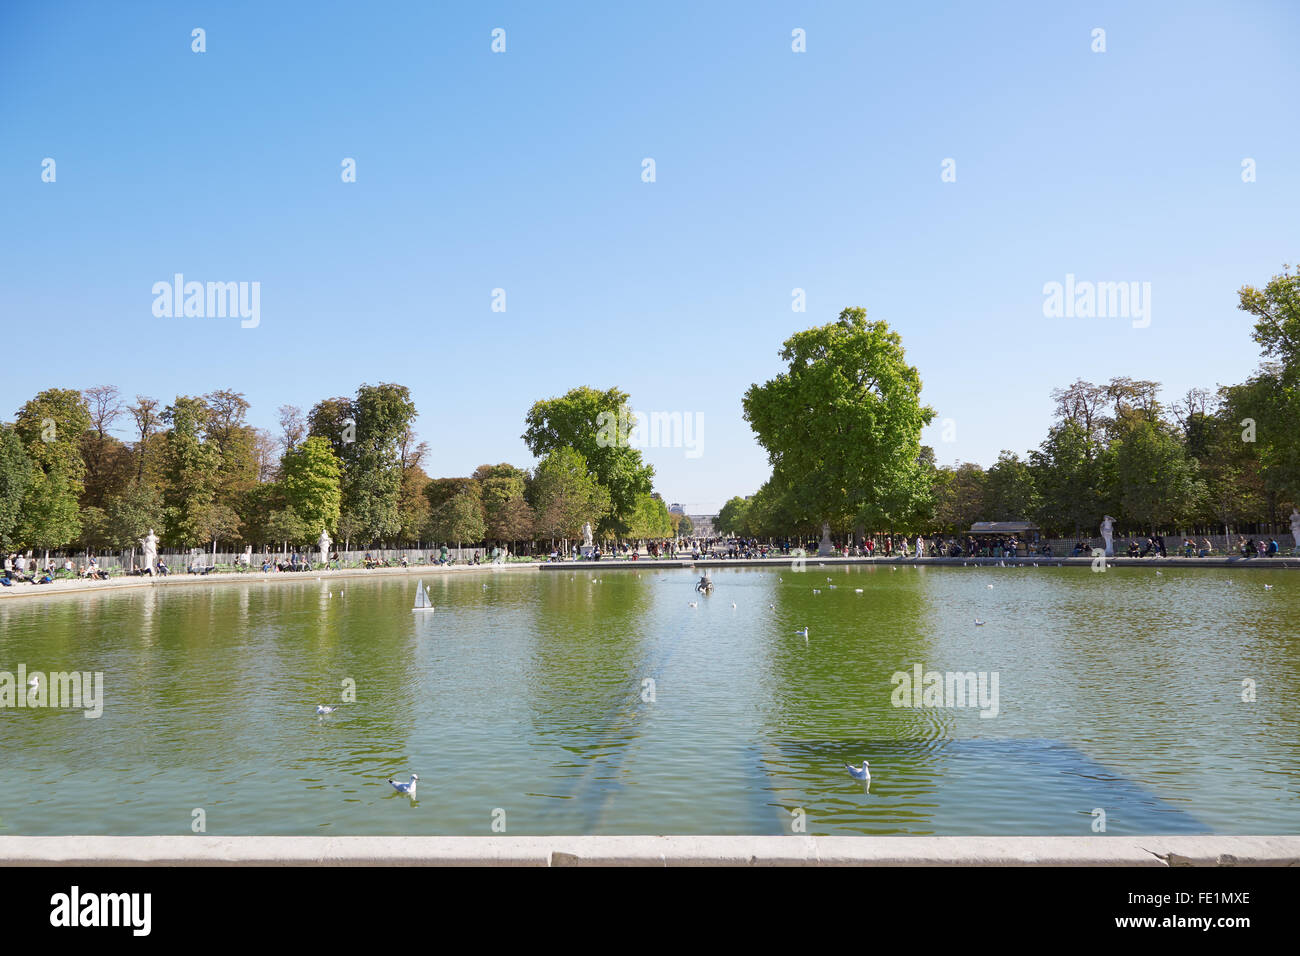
<point>1295,529</point>
<point>586,535</point>
<point>324,545</point>
<point>1107,535</point>
<point>150,545</point>
<point>825,547</point>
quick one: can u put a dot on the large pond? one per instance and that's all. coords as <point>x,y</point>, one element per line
<point>549,702</point>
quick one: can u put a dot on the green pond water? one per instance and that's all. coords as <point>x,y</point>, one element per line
<point>523,700</point>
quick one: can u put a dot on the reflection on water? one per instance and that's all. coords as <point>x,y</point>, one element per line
<point>612,706</point>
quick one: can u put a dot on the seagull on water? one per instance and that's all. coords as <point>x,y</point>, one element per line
<point>694,604</point>
<point>990,587</point>
<point>406,788</point>
<point>35,682</point>
<point>815,591</point>
<point>862,773</point>
<point>322,710</point>
<point>978,622</point>
<point>857,590</point>
<point>1268,587</point>
<point>733,605</point>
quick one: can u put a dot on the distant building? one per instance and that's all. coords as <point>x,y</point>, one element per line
<point>676,509</point>
<point>703,525</point>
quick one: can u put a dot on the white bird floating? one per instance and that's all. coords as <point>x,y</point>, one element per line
<point>803,634</point>
<point>815,591</point>
<point>322,710</point>
<point>863,773</point>
<point>35,682</point>
<point>406,788</point>
<point>990,587</point>
<point>857,590</point>
<point>733,605</point>
<point>1268,587</point>
<point>772,607</point>
<point>1160,573</point>
<point>694,604</point>
<point>978,622</point>
<point>830,579</point>
<point>832,587</point>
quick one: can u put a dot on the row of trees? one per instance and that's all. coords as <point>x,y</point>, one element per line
<point>842,430</point>
<point>200,474</point>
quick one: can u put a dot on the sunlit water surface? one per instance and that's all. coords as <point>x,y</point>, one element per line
<point>551,703</point>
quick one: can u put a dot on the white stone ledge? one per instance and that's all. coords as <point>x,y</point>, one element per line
<point>649,851</point>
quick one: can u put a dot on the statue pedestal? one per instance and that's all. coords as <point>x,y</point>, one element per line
<point>825,548</point>
<point>587,551</point>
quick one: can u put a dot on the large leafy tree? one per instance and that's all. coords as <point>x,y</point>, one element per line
<point>1158,484</point>
<point>565,495</point>
<point>1009,490</point>
<point>731,517</point>
<point>1067,477</point>
<point>505,508</point>
<point>51,427</point>
<point>15,478</point>
<point>367,434</point>
<point>310,481</point>
<point>131,513</point>
<point>597,425</point>
<point>842,425</point>
<point>460,517</point>
<point>190,468</point>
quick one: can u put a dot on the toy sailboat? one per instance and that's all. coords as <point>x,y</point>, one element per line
<point>422,602</point>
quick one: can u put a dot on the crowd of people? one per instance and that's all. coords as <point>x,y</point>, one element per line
<point>21,569</point>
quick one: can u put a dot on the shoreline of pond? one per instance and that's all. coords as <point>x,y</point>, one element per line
<point>25,590</point>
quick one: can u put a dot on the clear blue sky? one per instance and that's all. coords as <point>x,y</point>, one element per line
<point>522,170</point>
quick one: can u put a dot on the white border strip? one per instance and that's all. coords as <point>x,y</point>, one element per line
<point>649,851</point>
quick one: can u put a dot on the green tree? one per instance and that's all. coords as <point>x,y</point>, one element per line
<point>1009,490</point>
<point>1158,485</point>
<point>51,427</point>
<point>131,513</point>
<point>597,425</point>
<point>310,479</point>
<point>731,516</point>
<point>460,518</point>
<point>842,425</point>
<point>959,495</point>
<point>1067,477</point>
<point>367,435</point>
<point>15,480</point>
<point>565,495</point>
<point>190,470</point>
<point>506,510</point>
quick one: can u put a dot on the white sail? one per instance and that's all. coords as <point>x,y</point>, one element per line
<point>422,602</point>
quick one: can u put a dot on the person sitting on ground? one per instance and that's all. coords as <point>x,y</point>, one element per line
<point>1206,548</point>
<point>162,567</point>
<point>1133,549</point>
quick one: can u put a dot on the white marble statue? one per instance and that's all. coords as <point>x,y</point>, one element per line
<point>825,547</point>
<point>1107,535</point>
<point>586,535</point>
<point>150,545</point>
<point>1295,529</point>
<point>324,545</point>
<point>248,556</point>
